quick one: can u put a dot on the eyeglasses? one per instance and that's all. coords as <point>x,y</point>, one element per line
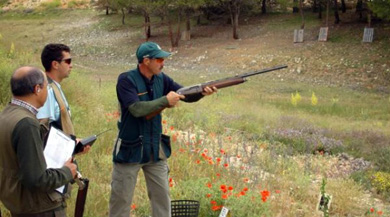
<point>67,61</point>
<point>159,60</point>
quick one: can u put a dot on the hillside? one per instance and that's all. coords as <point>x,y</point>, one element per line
<point>347,76</point>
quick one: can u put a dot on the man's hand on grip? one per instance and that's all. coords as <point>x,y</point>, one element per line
<point>174,98</point>
<point>73,167</point>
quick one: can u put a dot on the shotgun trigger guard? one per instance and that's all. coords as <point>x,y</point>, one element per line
<point>79,180</point>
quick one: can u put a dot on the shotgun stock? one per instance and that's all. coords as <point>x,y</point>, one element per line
<point>222,83</point>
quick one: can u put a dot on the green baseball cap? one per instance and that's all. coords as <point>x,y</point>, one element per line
<point>150,50</point>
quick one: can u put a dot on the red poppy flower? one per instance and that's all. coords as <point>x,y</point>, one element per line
<point>216,208</point>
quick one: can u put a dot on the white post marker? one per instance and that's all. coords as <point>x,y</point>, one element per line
<point>224,212</point>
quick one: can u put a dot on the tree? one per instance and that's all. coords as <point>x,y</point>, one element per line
<point>343,6</point>
<point>264,7</point>
<point>124,6</point>
<point>295,7</point>
<point>336,13</point>
<point>146,8</point>
<point>234,7</point>
<point>189,7</point>
<point>359,8</point>
<point>381,8</point>
<point>301,12</point>
<point>106,5</point>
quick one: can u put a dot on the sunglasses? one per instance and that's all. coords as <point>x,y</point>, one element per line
<point>159,60</point>
<point>67,61</point>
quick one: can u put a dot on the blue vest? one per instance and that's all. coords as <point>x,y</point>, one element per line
<point>140,139</point>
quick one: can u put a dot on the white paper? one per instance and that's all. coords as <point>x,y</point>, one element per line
<point>59,148</point>
<point>224,212</point>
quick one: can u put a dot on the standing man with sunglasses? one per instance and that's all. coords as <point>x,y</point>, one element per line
<point>57,61</point>
<point>140,144</point>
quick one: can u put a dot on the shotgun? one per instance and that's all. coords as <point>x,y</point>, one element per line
<point>221,83</point>
<point>83,184</point>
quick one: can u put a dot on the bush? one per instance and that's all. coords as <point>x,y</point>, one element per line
<point>51,5</point>
<point>381,182</point>
<point>76,4</point>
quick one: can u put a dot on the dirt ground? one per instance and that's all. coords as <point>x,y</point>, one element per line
<point>265,41</point>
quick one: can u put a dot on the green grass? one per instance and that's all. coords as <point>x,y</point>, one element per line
<point>241,120</point>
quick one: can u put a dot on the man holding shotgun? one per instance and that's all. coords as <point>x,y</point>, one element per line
<point>143,93</point>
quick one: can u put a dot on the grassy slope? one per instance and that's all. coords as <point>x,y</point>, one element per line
<point>103,48</point>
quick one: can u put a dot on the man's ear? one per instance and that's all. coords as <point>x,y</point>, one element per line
<point>54,64</point>
<point>146,61</point>
<point>37,89</point>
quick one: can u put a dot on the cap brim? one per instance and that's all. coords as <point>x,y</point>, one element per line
<point>162,54</point>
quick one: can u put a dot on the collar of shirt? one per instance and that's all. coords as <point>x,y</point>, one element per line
<point>25,105</point>
<point>56,83</point>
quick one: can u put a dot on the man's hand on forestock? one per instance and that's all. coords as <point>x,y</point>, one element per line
<point>174,98</point>
<point>209,90</point>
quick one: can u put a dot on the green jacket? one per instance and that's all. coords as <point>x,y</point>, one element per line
<point>26,185</point>
<point>140,139</point>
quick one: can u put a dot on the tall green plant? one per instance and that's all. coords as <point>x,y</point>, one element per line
<point>380,8</point>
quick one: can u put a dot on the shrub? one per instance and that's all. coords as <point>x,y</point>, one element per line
<point>51,5</point>
<point>381,182</point>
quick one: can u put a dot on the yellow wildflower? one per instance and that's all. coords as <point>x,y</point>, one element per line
<point>314,99</point>
<point>294,101</point>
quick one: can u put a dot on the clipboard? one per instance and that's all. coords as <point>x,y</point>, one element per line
<point>59,148</point>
